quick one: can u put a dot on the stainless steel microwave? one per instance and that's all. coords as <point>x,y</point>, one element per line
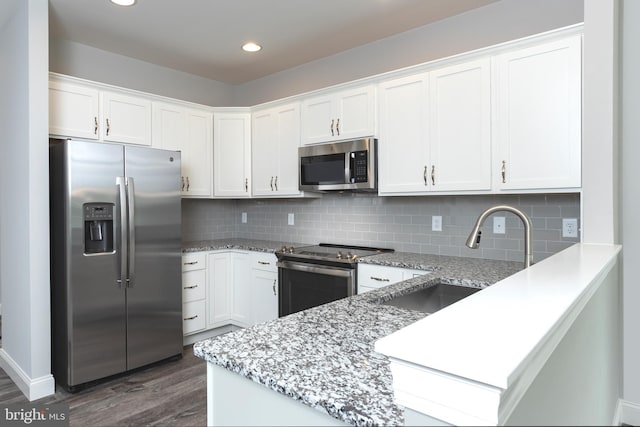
<point>346,165</point>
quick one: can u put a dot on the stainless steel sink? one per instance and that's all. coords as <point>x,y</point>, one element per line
<point>432,298</point>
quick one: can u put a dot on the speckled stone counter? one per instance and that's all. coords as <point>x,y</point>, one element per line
<point>324,357</point>
<point>241,244</point>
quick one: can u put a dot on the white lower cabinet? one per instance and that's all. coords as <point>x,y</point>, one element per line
<point>194,281</point>
<point>264,287</point>
<point>226,287</point>
<point>371,277</point>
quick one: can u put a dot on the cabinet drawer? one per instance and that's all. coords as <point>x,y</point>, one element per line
<point>264,261</point>
<point>193,261</point>
<point>193,285</point>
<point>376,276</point>
<point>193,317</point>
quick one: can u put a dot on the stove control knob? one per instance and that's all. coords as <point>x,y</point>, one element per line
<point>339,255</point>
<point>351,256</point>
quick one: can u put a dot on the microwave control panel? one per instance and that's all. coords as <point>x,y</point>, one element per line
<point>358,164</point>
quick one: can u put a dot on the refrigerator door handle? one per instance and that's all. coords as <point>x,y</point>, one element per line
<point>124,250</point>
<point>132,232</point>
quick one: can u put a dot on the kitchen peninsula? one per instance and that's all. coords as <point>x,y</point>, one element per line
<point>324,357</point>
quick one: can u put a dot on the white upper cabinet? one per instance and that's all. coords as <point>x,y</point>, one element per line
<point>403,153</point>
<point>460,127</point>
<point>191,132</point>
<point>538,116</point>
<point>127,119</point>
<point>275,140</point>
<point>74,110</point>
<point>232,155</point>
<point>435,131</point>
<point>339,115</point>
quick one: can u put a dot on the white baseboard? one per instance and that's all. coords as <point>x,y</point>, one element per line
<point>32,388</point>
<point>629,413</point>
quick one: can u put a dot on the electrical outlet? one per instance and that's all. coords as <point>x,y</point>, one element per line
<point>436,223</point>
<point>498,225</point>
<point>569,227</point>
<point>290,219</point>
<point>244,217</point>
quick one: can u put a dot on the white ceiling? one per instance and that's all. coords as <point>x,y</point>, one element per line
<point>203,37</point>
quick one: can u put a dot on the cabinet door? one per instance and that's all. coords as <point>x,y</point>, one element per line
<point>460,127</point>
<point>127,119</point>
<point>232,155</point>
<point>538,116</point>
<point>288,122</point>
<point>264,295</point>
<point>319,119</point>
<point>402,144</point>
<point>73,110</point>
<point>356,113</point>
<point>197,153</point>
<point>264,152</point>
<point>242,289</point>
<point>219,303</point>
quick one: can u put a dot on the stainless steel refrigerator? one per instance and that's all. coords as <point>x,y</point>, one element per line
<point>116,294</point>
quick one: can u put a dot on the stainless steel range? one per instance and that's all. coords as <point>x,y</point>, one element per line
<point>309,276</point>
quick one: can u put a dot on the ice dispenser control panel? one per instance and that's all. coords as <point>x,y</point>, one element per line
<point>98,227</point>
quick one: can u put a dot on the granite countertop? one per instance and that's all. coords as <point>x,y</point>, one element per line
<point>324,356</point>
<point>242,244</point>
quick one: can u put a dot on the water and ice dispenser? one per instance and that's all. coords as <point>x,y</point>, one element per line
<point>98,227</point>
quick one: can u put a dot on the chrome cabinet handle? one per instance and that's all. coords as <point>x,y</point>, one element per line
<point>276,183</point>
<point>190,287</point>
<point>188,184</point>
<point>182,178</point>
<point>332,127</point>
<point>108,127</point>
<point>271,183</point>
<point>274,287</point>
<point>191,318</point>
<point>191,263</point>
<point>504,171</point>
<point>95,125</point>
<point>424,175</point>
<point>338,126</point>
<point>379,279</point>
<point>433,175</point>
<point>264,263</point>
<point>246,185</point>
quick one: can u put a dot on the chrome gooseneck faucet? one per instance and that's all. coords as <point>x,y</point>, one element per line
<point>473,241</point>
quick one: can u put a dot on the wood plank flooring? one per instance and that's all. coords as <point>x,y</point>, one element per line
<point>172,393</point>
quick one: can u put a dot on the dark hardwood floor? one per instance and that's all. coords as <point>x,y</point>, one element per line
<point>172,393</point>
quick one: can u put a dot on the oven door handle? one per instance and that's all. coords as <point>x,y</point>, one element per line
<point>329,271</point>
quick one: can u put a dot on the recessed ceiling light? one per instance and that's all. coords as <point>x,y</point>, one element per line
<point>124,2</point>
<point>251,47</point>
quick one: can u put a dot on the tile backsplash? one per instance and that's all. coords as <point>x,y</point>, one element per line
<point>401,223</point>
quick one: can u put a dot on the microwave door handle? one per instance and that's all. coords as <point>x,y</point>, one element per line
<point>351,161</point>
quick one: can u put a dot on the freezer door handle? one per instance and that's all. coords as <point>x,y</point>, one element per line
<point>124,252</point>
<point>132,232</point>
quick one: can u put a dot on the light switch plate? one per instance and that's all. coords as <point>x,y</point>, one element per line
<point>244,217</point>
<point>436,223</point>
<point>290,219</point>
<point>569,227</point>
<point>498,225</point>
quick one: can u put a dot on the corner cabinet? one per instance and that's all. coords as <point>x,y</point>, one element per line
<point>275,140</point>
<point>435,130</point>
<point>232,155</point>
<point>191,132</point>
<point>538,116</point>
<point>338,115</point>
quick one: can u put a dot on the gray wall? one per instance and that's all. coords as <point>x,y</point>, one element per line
<point>492,24</point>
<point>402,223</point>
<point>630,177</point>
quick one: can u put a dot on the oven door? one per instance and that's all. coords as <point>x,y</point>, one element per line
<point>304,285</point>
